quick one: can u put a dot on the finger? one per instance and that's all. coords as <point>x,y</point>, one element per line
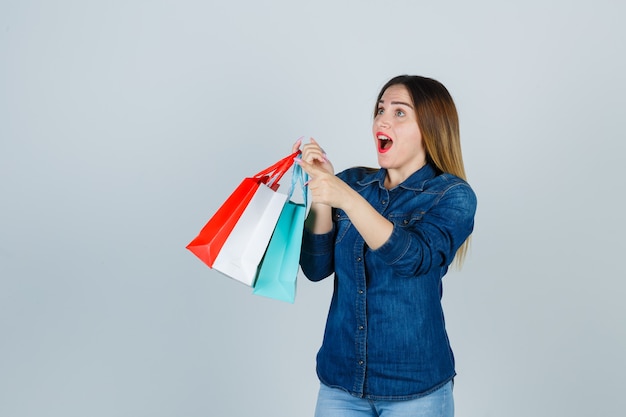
<point>309,168</point>
<point>324,157</point>
<point>312,153</point>
<point>296,145</point>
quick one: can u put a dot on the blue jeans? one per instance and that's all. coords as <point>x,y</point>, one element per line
<point>335,402</point>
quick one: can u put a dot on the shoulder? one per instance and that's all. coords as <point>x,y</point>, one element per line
<point>446,181</point>
<point>452,189</point>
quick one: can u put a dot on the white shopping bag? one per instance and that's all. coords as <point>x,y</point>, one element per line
<point>244,248</point>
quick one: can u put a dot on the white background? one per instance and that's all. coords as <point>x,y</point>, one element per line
<point>125,124</point>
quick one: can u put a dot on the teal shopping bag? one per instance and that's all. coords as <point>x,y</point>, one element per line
<point>279,268</point>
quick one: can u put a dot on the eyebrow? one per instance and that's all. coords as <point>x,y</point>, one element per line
<point>396,102</point>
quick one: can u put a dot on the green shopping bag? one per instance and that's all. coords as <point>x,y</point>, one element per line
<point>279,268</point>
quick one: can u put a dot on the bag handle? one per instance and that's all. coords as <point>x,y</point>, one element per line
<point>288,160</point>
<point>272,175</point>
<point>299,176</point>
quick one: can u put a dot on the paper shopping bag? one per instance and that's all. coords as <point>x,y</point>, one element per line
<point>279,269</point>
<point>245,246</point>
<point>207,245</point>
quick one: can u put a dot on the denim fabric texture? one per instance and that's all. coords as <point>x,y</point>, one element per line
<point>385,335</point>
<point>335,402</point>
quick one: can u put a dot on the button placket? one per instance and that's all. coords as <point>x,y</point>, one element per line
<point>360,315</point>
<point>383,201</point>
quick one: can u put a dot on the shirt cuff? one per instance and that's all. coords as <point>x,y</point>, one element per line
<point>315,244</point>
<point>394,249</point>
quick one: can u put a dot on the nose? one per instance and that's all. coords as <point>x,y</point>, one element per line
<point>383,121</point>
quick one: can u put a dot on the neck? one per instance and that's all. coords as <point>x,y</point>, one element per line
<point>396,177</point>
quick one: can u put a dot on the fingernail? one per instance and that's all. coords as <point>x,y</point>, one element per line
<point>307,183</point>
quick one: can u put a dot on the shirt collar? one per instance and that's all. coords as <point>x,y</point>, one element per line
<point>415,182</point>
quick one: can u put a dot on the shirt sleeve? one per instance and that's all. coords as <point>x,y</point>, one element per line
<point>432,241</point>
<point>317,256</point>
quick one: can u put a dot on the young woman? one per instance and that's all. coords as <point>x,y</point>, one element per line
<point>389,236</point>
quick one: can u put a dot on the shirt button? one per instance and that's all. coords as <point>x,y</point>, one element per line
<point>361,327</point>
<point>405,221</point>
<point>384,202</point>
<point>360,291</point>
<point>361,362</point>
<point>358,259</point>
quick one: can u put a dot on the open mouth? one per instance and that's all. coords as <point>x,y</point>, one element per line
<point>384,142</point>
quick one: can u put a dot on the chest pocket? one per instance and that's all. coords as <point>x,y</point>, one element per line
<point>342,225</point>
<point>406,220</point>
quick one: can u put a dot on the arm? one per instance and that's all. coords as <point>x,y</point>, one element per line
<point>329,191</point>
<point>432,240</point>
<point>373,227</point>
<point>317,256</point>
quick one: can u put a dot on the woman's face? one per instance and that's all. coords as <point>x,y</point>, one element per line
<point>396,133</point>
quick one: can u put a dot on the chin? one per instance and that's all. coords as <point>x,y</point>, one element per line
<point>383,163</point>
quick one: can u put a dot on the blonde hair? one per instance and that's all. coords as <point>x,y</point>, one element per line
<point>438,122</point>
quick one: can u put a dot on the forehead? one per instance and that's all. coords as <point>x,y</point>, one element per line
<point>397,92</point>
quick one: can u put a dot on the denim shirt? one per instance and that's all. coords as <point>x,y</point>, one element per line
<point>385,336</point>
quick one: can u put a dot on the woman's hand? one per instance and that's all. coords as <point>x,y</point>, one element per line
<point>312,153</point>
<point>329,191</point>
<point>325,187</point>
<point>313,157</point>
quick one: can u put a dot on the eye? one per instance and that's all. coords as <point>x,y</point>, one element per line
<point>380,111</point>
<point>400,113</point>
